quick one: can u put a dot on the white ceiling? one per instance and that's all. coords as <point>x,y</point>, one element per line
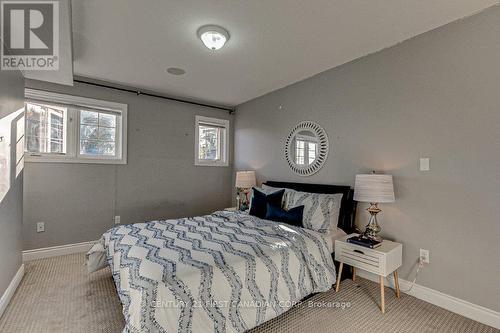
<point>273,43</point>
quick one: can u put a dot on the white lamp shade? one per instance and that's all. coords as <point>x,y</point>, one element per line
<point>374,188</point>
<point>245,179</point>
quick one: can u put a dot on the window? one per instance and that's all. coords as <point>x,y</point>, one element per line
<point>63,128</point>
<point>306,149</point>
<point>97,133</point>
<point>45,128</point>
<point>312,151</point>
<point>211,144</point>
<point>300,152</point>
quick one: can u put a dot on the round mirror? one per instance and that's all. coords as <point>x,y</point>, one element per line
<point>306,148</point>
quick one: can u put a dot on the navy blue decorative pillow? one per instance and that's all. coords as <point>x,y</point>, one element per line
<point>260,201</point>
<point>292,216</point>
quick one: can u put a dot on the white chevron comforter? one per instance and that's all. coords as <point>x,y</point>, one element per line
<point>225,272</point>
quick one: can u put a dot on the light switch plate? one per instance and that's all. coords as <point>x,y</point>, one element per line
<point>425,164</point>
<point>425,256</point>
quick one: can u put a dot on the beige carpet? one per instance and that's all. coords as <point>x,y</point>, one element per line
<point>57,295</point>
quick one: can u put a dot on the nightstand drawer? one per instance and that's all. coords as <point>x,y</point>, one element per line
<point>360,257</point>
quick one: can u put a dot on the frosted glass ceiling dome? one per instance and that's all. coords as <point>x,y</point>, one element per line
<point>213,36</point>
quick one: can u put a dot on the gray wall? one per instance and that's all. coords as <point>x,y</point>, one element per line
<point>11,182</point>
<point>434,96</point>
<point>77,202</point>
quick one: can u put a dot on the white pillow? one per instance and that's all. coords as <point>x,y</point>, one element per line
<point>321,211</point>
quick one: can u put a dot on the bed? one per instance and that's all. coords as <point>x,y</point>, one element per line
<point>223,272</point>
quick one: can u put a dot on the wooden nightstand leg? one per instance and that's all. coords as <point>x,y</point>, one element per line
<point>339,277</point>
<point>354,274</point>
<point>396,283</point>
<point>382,295</point>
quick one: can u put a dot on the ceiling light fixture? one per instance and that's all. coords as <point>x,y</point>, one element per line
<point>213,36</point>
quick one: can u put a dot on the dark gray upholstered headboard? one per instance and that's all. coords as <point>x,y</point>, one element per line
<point>347,207</point>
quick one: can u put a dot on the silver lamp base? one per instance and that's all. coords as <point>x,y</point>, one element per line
<point>372,228</point>
<point>244,203</point>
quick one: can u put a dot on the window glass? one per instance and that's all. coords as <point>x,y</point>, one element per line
<point>97,133</point>
<point>299,152</point>
<point>311,151</point>
<point>45,128</point>
<point>209,143</point>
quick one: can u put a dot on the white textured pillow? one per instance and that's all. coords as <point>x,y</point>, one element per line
<point>321,211</point>
<point>268,189</point>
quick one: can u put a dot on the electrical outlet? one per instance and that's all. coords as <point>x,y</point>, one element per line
<point>117,219</point>
<point>425,164</point>
<point>40,226</point>
<point>425,256</point>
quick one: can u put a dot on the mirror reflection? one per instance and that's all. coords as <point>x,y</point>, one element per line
<point>305,150</point>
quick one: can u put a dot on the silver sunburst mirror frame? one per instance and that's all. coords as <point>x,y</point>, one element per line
<point>302,165</point>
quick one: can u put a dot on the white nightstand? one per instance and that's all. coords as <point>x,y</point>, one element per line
<point>231,209</point>
<point>383,260</point>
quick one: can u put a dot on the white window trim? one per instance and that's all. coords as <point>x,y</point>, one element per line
<point>73,156</point>
<point>224,161</point>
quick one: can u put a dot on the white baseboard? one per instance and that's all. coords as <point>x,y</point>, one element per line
<point>450,303</point>
<point>55,251</point>
<point>11,289</point>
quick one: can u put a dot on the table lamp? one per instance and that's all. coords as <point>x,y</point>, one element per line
<point>245,180</point>
<point>375,189</point>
